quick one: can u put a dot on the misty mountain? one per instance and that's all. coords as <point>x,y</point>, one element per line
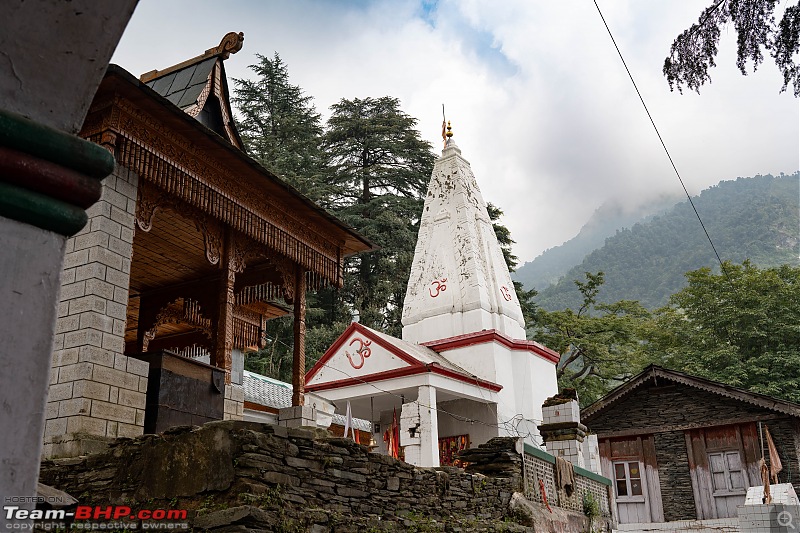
<point>747,218</point>
<point>554,262</point>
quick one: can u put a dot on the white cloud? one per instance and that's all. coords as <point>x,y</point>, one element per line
<point>540,103</point>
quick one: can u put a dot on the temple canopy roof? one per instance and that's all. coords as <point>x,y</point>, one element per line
<point>372,370</point>
<point>220,241</point>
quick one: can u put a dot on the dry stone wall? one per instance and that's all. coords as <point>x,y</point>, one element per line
<point>246,476</point>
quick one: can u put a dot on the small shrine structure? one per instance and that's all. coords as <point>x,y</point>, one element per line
<point>192,247</point>
<point>463,371</point>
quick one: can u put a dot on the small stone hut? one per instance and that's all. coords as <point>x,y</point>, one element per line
<point>680,447</point>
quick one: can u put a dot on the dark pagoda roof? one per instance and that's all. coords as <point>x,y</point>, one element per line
<point>183,87</point>
<point>199,87</point>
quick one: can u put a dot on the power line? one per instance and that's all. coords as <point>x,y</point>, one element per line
<point>661,139</point>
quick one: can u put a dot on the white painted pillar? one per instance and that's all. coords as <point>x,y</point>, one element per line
<point>30,263</point>
<point>55,53</point>
<point>410,433</point>
<point>429,426</point>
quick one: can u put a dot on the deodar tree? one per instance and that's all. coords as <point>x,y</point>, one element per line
<point>280,127</point>
<point>380,167</point>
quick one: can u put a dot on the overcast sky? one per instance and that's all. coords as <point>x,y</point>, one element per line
<point>539,101</point>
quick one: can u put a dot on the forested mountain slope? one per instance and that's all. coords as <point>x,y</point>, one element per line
<point>553,263</point>
<point>747,218</point>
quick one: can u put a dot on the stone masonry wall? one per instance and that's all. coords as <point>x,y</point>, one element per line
<point>677,495</point>
<point>95,390</point>
<point>234,402</point>
<point>246,476</point>
<point>290,479</point>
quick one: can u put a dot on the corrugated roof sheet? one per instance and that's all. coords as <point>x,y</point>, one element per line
<point>277,394</point>
<point>266,391</point>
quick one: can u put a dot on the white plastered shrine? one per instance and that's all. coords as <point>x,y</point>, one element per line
<point>463,367</point>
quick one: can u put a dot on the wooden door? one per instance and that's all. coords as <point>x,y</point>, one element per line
<point>722,465</point>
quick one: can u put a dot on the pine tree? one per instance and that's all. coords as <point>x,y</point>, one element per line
<point>694,51</point>
<point>281,130</point>
<point>381,168</point>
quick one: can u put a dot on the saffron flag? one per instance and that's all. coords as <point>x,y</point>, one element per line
<point>395,436</point>
<point>767,498</point>
<point>775,464</point>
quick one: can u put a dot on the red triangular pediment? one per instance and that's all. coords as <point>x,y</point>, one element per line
<point>360,352</point>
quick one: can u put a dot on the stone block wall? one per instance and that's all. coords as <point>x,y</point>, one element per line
<point>95,390</point>
<point>260,477</point>
<point>677,495</point>
<point>234,402</point>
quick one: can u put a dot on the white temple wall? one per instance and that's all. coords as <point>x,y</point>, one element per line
<point>527,379</point>
<point>534,382</point>
<point>483,360</point>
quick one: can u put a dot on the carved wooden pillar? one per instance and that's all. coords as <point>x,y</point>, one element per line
<point>299,360</point>
<point>224,331</point>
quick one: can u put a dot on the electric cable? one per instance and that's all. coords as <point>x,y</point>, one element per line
<point>675,168</point>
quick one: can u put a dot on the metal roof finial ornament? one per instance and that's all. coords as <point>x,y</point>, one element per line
<point>449,130</point>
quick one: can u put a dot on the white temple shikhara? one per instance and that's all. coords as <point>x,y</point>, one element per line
<point>463,371</point>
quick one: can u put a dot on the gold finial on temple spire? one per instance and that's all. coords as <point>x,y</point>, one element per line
<point>449,130</point>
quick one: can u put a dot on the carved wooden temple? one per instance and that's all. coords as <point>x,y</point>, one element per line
<point>192,248</point>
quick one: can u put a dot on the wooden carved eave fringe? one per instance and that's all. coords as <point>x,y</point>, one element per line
<point>248,328</point>
<point>180,311</point>
<point>212,237</point>
<point>180,169</point>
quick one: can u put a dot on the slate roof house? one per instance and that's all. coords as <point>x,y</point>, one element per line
<point>680,447</point>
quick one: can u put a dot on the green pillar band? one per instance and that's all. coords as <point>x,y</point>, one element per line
<point>52,145</point>
<point>41,211</point>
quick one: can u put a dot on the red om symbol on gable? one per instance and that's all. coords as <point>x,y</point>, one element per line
<point>363,351</point>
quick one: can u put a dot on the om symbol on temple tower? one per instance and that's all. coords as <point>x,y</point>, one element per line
<point>506,293</point>
<point>440,286</point>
